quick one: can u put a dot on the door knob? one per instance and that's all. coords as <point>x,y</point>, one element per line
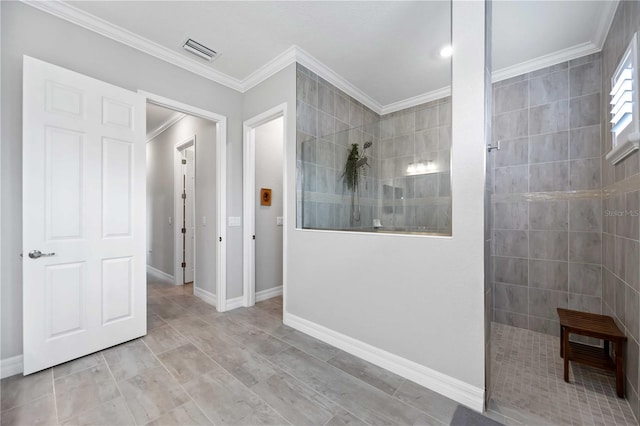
<point>35,254</point>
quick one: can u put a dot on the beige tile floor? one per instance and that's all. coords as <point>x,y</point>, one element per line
<point>197,366</point>
<point>527,384</point>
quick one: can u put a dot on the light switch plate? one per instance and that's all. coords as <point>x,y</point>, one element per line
<point>234,220</point>
<point>279,221</point>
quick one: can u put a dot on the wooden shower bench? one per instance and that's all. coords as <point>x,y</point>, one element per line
<point>596,326</point>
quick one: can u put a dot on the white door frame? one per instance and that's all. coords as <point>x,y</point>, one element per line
<point>177,207</point>
<point>249,202</point>
<point>221,188</point>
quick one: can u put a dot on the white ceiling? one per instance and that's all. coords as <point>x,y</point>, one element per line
<point>158,117</point>
<point>388,50</point>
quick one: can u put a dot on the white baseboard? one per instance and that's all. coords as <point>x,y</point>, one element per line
<point>10,366</point>
<point>236,302</point>
<point>459,391</point>
<point>159,274</point>
<point>205,295</point>
<point>268,293</point>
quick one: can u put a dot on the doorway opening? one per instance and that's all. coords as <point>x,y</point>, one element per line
<point>264,206</point>
<point>186,172</point>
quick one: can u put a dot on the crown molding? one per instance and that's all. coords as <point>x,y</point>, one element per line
<point>609,12</point>
<point>305,59</point>
<point>416,100</point>
<point>544,61</point>
<point>83,19</point>
<point>164,126</point>
<point>295,53</point>
<point>272,67</point>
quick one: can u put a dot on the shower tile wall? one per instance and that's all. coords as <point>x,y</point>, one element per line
<point>328,121</point>
<point>621,185</point>
<point>547,207</point>
<point>418,134</point>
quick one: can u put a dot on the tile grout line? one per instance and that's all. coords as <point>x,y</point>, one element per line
<point>266,359</point>
<point>119,390</point>
<point>55,399</point>
<point>305,385</point>
<point>269,333</point>
<point>180,384</point>
<point>341,371</point>
<point>219,365</point>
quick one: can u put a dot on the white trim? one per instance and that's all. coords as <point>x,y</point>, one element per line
<point>177,207</point>
<point>416,100</point>
<point>268,293</point>
<point>236,302</point>
<point>10,366</point>
<point>623,149</point>
<point>98,25</point>
<point>544,61</point>
<point>272,67</point>
<point>453,388</point>
<point>221,184</point>
<point>606,19</point>
<point>305,59</point>
<point>248,197</point>
<point>164,126</point>
<point>205,295</point>
<point>159,274</point>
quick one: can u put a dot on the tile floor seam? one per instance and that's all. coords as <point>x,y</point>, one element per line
<point>180,384</point>
<point>296,378</point>
<point>55,400</point>
<point>306,386</point>
<point>375,389</point>
<point>343,371</point>
<point>133,418</point>
<point>219,365</point>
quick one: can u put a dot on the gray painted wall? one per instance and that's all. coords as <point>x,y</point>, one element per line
<point>27,31</point>
<point>269,164</point>
<point>160,201</point>
<point>160,204</point>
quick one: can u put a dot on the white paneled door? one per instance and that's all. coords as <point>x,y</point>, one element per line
<point>83,215</point>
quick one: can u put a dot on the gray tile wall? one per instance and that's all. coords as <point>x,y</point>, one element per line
<point>547,206</point>
<point>620,237</point>
<point>328,121</point>
<point>418,134</point>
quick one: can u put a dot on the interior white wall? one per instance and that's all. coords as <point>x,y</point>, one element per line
<point>417,297</point>
<point>279,89</point>
<point>161,204</point>
<point>26,30</point>
<point>269,164</point>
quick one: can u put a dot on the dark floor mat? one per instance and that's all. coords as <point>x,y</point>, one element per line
<point>466,417</point>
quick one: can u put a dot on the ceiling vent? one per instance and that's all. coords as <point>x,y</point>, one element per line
<point>199,50</point>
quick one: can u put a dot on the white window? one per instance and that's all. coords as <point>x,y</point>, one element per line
<point>624,105</point>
